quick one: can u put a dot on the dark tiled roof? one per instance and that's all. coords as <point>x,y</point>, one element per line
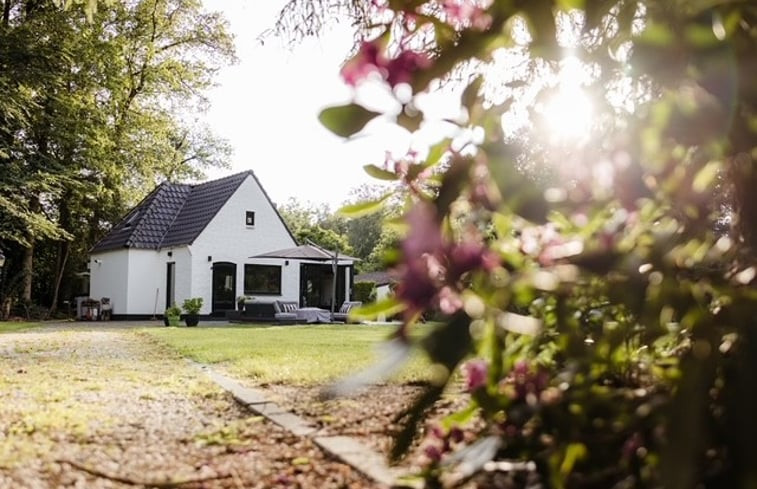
<point>173,214</point>
<point>146,224</point>
<point>379,278</point>
<point>305,252</point>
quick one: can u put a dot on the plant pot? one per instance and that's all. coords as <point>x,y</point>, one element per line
<point>174,320</point>
<point>192,319</point>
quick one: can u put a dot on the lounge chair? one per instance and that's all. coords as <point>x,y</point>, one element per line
<point>285,311</point>
<point>344,311</point>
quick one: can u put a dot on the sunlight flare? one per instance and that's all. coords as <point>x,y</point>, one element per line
<point>568,112</point>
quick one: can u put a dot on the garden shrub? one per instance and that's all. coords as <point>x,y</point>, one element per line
<point>602,308</point>
<point>364,292</point>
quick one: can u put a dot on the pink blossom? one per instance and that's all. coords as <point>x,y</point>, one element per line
<point>525,380</point>
<point>425,236</point>
<point>632,444</point>
<point>456,435</point>
<point>436,431</point>
<point>432,266</point>
<point>433,453</point>
<point>466,13</point>
<point>449,301</point>
<point>366,61</point>
<point>475,374</point>
<point>370,59</point>
<point>469,255</point>
<point>402,68</point>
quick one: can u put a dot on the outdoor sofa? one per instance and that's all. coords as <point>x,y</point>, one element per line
<point>343,314</point>
<point>285,311</point>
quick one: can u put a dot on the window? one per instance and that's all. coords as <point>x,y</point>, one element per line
<point>170,284</point>
<point>249,219</point>
<point>262,280</point>
<point>131,218</point>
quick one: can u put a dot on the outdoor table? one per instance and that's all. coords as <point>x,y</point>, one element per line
<point>313,315</point>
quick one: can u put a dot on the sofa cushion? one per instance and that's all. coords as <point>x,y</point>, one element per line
<point>349,305</point>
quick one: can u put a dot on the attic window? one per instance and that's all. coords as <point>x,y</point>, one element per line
<point>249,218</point>
<point>130,220</point>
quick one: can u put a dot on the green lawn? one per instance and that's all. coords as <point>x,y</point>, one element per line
<point>10,326</point>
<point>302,355</point>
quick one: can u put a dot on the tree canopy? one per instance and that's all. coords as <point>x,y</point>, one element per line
<point>96,107</point>
<point>365,237</point>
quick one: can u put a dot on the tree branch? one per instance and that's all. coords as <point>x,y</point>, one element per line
<point>136,482</point>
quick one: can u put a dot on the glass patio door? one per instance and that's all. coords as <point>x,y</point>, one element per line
<point>224,287</point>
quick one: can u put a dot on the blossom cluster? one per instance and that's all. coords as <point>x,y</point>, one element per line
<point>371,58</point>
<point>433,265</point>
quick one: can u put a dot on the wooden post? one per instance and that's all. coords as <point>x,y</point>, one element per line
<point>334,270</point>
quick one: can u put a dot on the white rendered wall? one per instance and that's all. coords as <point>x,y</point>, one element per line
<point>182,259</point>
<point>383,292</point>
<point>228,239</point>
<point>182,256</point>
<point>109,273</point>
<point>147,276</point>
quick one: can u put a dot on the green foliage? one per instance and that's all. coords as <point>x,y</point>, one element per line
<point>365,237</point>
<point>316,224</point>
<point>609,317</point>
<point>173,311</point>
<point>362,208</point>
<point>192,305</point>
<point>94,115</point>
<point>364,292</point>
<point>346,120</point>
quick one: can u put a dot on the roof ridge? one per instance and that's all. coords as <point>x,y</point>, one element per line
<point>320,248</point>
<point>227,177</point>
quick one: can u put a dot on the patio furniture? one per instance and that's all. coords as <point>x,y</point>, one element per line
<point>106,312</point>
<point>343,314</point>
<point>90,310</point>
<point>313,315</point>
<point>259,311</point>
<point>285,311</point>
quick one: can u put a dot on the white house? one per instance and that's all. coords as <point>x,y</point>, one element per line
<point>206,240</point>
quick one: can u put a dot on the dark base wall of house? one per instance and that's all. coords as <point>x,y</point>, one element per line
<point>159,317</point>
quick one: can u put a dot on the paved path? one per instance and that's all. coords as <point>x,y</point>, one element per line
<point>85,405</point>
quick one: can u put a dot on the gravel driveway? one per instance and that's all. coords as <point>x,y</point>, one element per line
<point>110,408</point>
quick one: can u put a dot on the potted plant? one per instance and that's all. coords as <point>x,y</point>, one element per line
<point>192,308</point>
<point>171,316</point>
<point>241,300</point>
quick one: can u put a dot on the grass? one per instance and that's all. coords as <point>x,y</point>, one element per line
<point>302,355</point>
<point>10,326</point>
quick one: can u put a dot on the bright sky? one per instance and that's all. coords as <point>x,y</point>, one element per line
<point>267,106</point>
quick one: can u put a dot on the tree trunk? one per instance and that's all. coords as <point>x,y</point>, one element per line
<point>6,12</point>
<point>63,256</point>
<point>27,262</point>
<point>26,273</point>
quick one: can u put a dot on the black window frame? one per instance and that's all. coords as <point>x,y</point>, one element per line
<point>249,216</point>
<point>248,267</point>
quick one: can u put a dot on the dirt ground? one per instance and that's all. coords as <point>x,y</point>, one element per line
<point>108,409</point>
